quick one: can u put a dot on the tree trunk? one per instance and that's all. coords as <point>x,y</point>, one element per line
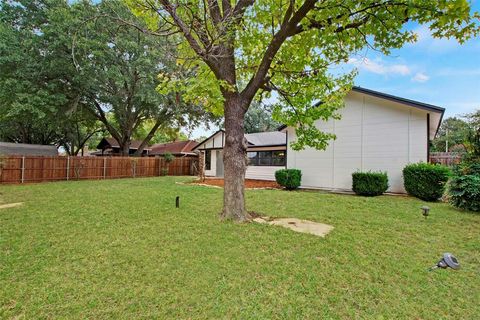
<point>125,149</point>
<point>234,160</point>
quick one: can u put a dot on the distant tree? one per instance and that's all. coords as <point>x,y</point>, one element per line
<point>162,135</point>
<point>201,138</point>
<point>76,130</point>
<point>259,118</point>
<point>452,132</point>
<point>473,138</point>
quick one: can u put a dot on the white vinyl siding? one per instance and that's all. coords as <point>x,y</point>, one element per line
<point>253,172</point>
<point>261,172</point>
<point>373,134</point>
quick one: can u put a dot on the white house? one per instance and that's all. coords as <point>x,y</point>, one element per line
<point>377,132</point>
<point>265,152</point>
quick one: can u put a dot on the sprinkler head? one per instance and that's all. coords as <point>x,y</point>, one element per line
<point>448,261</point>
<point>426,211</point>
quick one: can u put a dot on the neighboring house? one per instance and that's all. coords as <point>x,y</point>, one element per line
<point>265,152</point>
<point>25,149</point>
<point>376,132</point>
<point>177,148</point>
<point>110,147</point>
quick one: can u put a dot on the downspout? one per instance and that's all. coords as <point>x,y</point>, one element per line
<point>286,149</point>
<point>428,137</point>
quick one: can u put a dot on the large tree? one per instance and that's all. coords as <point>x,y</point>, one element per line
<point>41,92</point>
<point>121,64</point>
<point>33,89</point>
<point>68,66</point>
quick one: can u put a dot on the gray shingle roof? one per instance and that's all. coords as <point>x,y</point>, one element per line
<point>24,149</point>
<point>266,138</point>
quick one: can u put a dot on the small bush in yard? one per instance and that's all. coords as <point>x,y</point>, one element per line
<point>425,181</point>
<point>463,189</point>
<point>463,192</point>
<point>369,183</point>
<point>289,178</point>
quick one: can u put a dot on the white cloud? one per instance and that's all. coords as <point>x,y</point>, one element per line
<point>379,67</point>
<point>420,77</point>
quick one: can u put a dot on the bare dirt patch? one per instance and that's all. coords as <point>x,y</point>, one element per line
<point>249,183</point>
<point>297,225</point>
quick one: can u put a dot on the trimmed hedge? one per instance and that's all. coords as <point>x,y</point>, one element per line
<point>369,184</point>
<point>463,192</point>
<point>425,181</point>
<point>289,178</point>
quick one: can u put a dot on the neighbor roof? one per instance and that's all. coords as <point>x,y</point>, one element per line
<point>25,149</point>
<point>113,143</point>
<point>177,147</point>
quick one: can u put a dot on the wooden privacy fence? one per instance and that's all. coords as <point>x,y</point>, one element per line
<point>445,158</point>
<point>18,169</point>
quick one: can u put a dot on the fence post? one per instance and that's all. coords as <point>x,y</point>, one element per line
<point>23,169</point>
<point>159,172</point>
<point>104,167</point>
<point>68,168</point>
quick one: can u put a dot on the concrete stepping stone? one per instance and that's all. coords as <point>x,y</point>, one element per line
<point>10,205</point>
<point>298,225</point>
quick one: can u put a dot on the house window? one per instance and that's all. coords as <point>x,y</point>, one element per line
<point>208,159</point>
<point>266,158</point>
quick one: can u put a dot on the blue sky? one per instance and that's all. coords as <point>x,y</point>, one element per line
<point>436,71</point>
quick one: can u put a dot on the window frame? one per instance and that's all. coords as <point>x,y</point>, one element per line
<point>266,158</point>
<point>208,159</point>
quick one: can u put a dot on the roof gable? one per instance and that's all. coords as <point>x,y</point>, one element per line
<point>408,102</point>
<point>434,122</point>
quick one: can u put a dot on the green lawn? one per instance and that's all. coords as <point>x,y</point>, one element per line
<point>120,249</point>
